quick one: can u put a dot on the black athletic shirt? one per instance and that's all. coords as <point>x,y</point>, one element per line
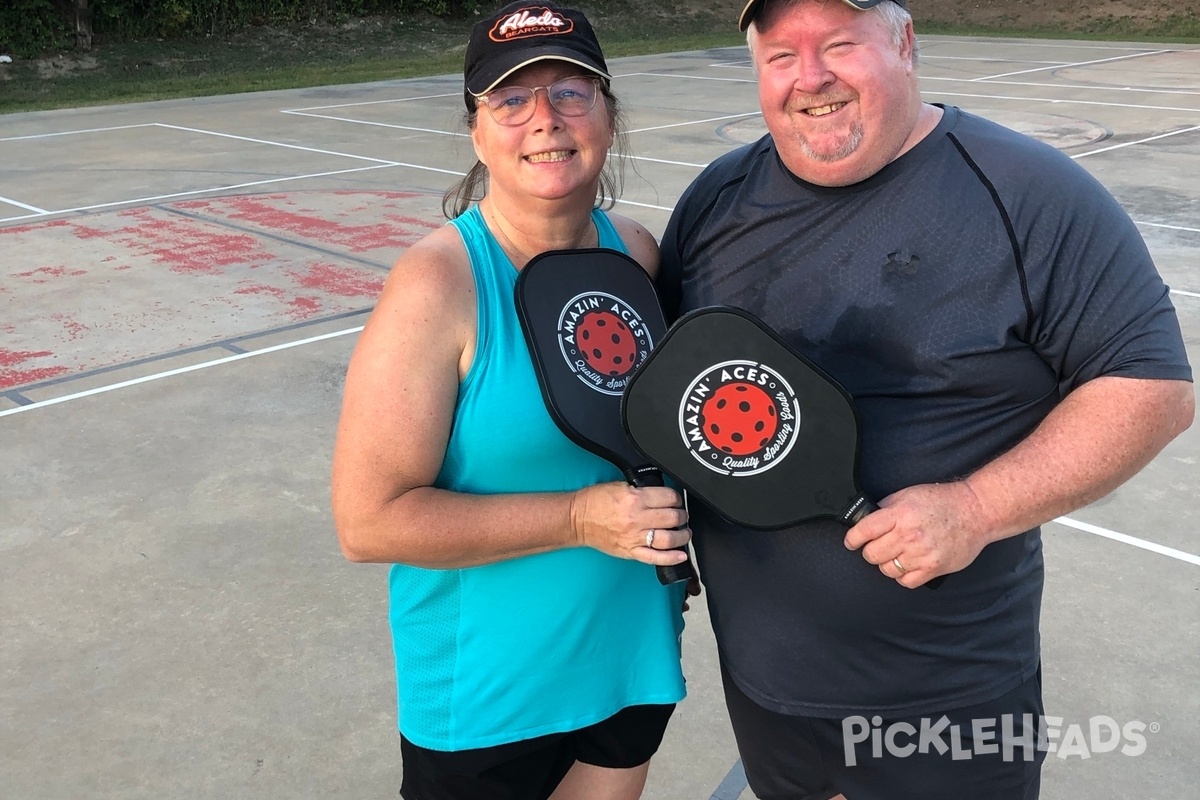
<point>959,294</point>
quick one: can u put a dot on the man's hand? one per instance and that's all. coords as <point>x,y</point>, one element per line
<point>922,532</point>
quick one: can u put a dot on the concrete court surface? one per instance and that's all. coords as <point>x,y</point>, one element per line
<point>180,284</point>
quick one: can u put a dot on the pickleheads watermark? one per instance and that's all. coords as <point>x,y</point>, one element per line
<point>1009,736</point>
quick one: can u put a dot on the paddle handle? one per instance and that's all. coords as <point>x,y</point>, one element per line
<point>859,509</point>
<point>683,571</point>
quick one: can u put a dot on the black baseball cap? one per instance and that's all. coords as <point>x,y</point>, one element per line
<point>522,33</point>
<point>755,7</point>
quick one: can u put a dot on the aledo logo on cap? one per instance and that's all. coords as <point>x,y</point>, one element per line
<point>739,418</point>
<point>603,340</point>
<point>529,22</point>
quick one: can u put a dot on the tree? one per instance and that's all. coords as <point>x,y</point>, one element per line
<point>83,25</point>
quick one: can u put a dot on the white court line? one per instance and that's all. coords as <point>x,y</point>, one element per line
<point>693,77</point>
<point>391,125</point>
<point>19,204</point>
<point>1077,86</point>
<point>695,122</point>
<point>372,102</point>
<point>378,163</point>
<point>1123,538</point>
<point>72,133</point>
<point>302,112</point>
<point>196,192</point>
<point>921,41</point>
<point>252,140</point>
<point>1139,141</point>
<point>171,373</point>
<point>1119,537</point>
<point>665,161</point>
<point>645,205</point>
<point>1162,550</point>
<point>1075,64</point>
<point>1060,101</point>
<point>990,60</point>
<point>1001,96</point>
<point>1059,45</point>
<point>1169,227</point>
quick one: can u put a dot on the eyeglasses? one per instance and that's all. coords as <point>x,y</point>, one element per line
<point>514,105</point>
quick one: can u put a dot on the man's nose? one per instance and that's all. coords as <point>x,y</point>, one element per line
<point>815,75</point>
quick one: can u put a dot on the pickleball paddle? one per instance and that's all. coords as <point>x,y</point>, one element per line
<point>753,428</point>
<point>590,318</point>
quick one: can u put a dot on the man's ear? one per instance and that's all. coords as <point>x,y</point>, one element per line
<point>908,46</point>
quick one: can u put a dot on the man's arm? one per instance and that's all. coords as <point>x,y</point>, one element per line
<point>1101,435</point>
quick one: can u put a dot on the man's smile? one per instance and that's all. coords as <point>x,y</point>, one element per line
<point>820,111</point>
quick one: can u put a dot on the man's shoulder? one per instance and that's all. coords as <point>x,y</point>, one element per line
<point>1026,172</point>
<point>733,167</point>
<point>995,147</point>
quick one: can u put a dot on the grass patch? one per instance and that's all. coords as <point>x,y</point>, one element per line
<point>356,51</point>
<point>1110,29</point>
<point>387,48</point>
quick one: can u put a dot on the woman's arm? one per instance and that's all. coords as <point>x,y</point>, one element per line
<point>398,405</point>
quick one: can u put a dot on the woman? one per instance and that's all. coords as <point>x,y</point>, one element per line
<point>537,655</point>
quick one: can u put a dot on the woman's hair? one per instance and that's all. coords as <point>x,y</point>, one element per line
<point>472,187</point>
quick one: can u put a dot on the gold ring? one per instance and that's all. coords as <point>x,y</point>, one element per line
<point>898,565</point>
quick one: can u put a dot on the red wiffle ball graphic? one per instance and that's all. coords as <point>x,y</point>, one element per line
<point>607,343</point>
<point>739,418</point>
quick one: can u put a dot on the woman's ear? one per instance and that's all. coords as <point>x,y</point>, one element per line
<point>476,145</point>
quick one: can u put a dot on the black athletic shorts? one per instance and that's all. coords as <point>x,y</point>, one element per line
<point>532,769</point>
<point>983,752</point>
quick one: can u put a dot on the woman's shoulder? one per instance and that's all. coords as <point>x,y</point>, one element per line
<point>642,245</point>
<point>440,256</point>
<point>432,274</point>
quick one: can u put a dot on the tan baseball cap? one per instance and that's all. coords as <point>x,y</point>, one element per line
<point>755,7</point>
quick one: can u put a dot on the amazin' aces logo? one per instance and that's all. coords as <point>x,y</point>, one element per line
<point>739,418</point>
<point>603,340</point>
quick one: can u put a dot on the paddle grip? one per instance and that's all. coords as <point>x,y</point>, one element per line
<point>859,509</point>
<point>684,571</point>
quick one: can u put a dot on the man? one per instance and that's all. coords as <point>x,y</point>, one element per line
<point>1014,356</point>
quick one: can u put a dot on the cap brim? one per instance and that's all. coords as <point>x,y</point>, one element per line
<point>752,9</point>
<point>507,66</point>
<point>749,11</point>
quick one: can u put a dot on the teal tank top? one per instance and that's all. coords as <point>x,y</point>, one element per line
<point>534,645</point>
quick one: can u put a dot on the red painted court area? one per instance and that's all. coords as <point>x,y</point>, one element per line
<point>106,288</point>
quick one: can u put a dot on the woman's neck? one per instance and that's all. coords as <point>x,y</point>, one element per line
<point>525,232</point>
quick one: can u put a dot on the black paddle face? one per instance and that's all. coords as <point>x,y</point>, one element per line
<point>757,431</point>
<point>590,318</point>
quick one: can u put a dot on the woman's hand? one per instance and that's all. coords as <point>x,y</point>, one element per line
<point>643,524</point>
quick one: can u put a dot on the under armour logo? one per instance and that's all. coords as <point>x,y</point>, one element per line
<point>901,262</point>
